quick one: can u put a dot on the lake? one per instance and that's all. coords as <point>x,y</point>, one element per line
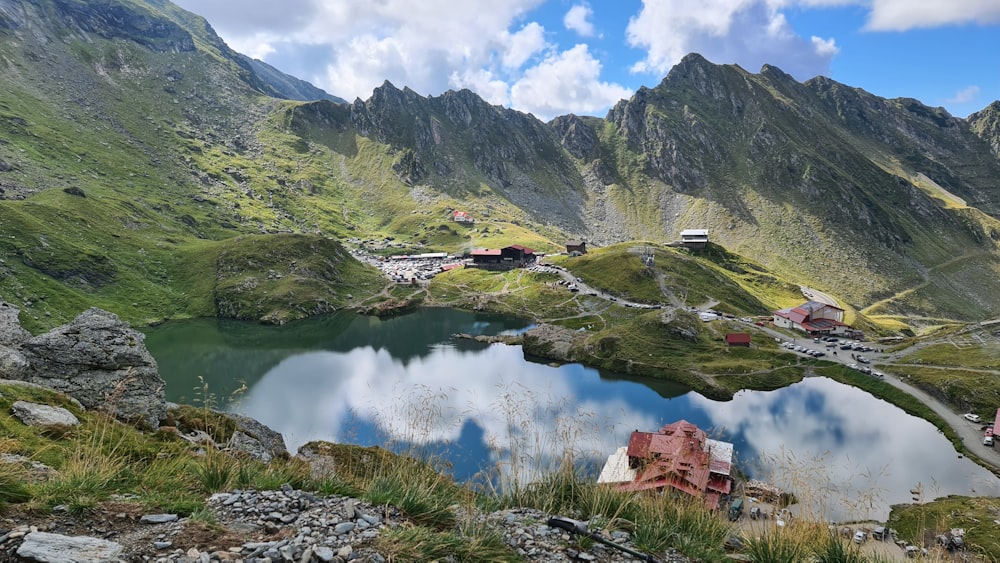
<point>406,383</point>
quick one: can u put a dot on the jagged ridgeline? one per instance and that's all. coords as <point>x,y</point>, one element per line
<point>142,161</point>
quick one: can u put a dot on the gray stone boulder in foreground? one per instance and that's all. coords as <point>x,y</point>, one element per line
<point>97,359</point>
<point>43,415</point>
<point>43,546</point>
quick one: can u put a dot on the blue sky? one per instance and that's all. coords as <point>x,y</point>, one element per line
<point>553,57</point>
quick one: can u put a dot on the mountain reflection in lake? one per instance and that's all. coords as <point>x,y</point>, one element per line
<point>477,405</point>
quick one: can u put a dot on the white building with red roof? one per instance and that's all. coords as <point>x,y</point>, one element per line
<point>812,317</point>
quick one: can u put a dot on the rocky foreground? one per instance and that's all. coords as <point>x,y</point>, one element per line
<point>272,526</point>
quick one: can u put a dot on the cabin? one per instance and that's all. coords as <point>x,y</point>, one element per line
<point>738,339</point>
<point>576,247</point>
<point>694,238</point>
<point>679,456</point>
<point>462,217</point>
<point>813,318</point>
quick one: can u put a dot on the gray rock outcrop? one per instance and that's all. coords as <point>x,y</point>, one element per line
<point>11,332</point>
<point>97,359</point>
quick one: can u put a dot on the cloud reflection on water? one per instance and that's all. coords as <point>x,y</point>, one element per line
<point>844,442</point>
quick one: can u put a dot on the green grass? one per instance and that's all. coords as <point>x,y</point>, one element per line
<point>919,523</point>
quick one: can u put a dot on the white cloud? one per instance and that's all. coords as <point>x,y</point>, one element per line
<point>964,96</point>
<point>578,19</point>
<point>750,33</point>
<point>901,15</point>
<point>522,45</point>
<point>568,82</point>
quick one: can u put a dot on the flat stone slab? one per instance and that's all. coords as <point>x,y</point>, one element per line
<point>55,548</point>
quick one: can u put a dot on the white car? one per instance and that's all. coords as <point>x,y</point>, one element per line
<point>972,417</point>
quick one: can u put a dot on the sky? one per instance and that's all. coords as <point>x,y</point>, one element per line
<point>555,57</point>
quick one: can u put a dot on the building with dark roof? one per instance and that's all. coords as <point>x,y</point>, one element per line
<point>576,247</point>
<point>513,256</point>
<point>812,317</point>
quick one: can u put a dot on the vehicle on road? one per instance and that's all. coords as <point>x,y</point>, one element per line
<point>972,417</point>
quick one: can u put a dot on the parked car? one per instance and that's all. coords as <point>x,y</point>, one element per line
<point>860,536</point>
<point>972,417</point>
<point>880,533</point>
<point>863,360</point>
<point>988,441</point>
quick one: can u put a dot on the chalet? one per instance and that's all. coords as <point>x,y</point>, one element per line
<point>513,256</point>
<point>574,247</point>
<point>519,255</point>
<point>812,317</point>
<point>694,238</point>
<point>738,339</point>
<point>487,256</point>
<point>679,456</point>
<point>462,217</point>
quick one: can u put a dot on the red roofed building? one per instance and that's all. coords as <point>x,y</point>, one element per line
<point>462,217</point>
<point>679,456</point>
<point>738,339</point>
<point>812,317</point>
<point>487,256</point>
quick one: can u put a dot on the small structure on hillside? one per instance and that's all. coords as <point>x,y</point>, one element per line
<point>812,317</point>
<point>508,257</point>
<point>462,217</point>
<point>738,339</point>
<point>679,456</point>
<point>694,238</point>
<point>575,247</point>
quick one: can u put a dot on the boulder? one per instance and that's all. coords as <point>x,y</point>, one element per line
<point>256,439</point>
<point>34,414</point>
<point>43,546</point>
<point>101,361</point>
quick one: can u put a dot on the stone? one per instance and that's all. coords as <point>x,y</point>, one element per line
<point>101,361</point>
<point>271,443</point>
<point>55,548</point>
<point>11,332</point>
<point>43,415</point>
<point>158,518</point>
<point>13,364</point>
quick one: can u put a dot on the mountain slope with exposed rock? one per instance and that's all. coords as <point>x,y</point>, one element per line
<point>133,123</point>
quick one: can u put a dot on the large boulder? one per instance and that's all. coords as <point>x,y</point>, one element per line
<point>102,362</point>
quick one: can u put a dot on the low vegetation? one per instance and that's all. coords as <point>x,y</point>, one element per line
<point>102,459</point>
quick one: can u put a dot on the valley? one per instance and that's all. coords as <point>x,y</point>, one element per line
<point>169,178</point>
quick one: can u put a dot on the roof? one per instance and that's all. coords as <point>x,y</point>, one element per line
<point>486,252</point>
<point>694,233</point>
<point>575,243</point>
<point>523,249</point>
<point>813,306</point>
<point>738,338</point>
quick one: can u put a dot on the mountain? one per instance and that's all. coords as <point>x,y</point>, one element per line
<point>140,155</point>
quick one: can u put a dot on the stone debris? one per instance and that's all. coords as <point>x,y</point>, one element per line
<point>290,525</point>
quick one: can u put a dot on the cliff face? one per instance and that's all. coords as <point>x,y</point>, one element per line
<point>157,136</point>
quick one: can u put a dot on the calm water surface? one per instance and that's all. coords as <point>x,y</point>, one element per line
<point>406,383</point>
